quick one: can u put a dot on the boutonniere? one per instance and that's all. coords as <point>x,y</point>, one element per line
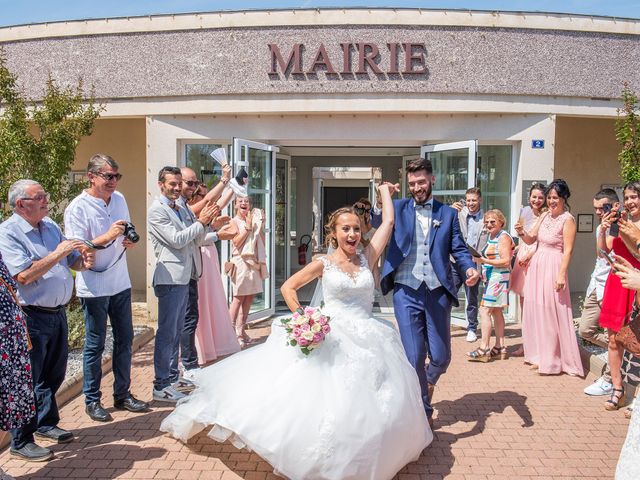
<point>436,223</point>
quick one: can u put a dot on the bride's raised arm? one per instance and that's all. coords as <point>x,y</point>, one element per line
<point>383,233</point>
<point>290,288</point>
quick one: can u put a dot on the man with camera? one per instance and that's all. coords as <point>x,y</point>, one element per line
<point>100,217</point>
<point>39,257</point>
<point>471,219</point>
<point>176,237</point>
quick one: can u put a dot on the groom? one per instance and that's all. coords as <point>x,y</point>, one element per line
<point>418,270</point>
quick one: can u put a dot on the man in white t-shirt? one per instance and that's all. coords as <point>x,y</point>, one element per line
<point>605,200</point>
<point>100,216</point>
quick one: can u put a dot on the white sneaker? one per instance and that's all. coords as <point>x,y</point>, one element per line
<point>599,387</point>
<point>183,383</point>
<point>471,336</point>
<point>167,394</point>
<point>191,375</point>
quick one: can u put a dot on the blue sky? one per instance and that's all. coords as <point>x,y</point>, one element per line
<point>15,12</point>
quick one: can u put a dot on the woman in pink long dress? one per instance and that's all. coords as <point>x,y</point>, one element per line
<point>549,336</point>
<point>215,335</point>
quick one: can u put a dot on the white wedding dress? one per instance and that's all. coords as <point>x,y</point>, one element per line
<point>629,462</point>
<point>350,410</point>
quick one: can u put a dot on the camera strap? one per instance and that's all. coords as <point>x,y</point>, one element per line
<point>90,244</point>
<point>110,266</point>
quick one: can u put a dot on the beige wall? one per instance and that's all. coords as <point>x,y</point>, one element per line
<point>124,140</point>
<point>586,157</point>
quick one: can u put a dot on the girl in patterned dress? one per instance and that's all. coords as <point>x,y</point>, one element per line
<point>17,404</point>
<point>496,263</point>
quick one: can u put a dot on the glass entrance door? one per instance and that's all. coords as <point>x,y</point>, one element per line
<point>259,161</point>
<point>454,166</point>
<point>282,226</point>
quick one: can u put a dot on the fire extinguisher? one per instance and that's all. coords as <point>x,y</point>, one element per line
<point>302,249</point>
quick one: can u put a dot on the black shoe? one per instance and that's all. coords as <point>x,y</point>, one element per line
<point>97,412</point>
<point>132,404</point>
<point>56,435</point>
<point>32,453</point>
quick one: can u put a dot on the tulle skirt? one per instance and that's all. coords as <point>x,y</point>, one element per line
<point>350,410</point>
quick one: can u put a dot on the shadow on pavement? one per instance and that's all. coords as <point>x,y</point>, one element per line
<point>91,455</point>
<point>475,408</point>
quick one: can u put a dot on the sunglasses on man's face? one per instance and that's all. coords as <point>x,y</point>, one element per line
<point>362,210</point>
<point>191,183</point>
<point>109,176</point>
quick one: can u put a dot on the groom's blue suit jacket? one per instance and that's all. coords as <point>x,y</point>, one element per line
<point>445,239</point>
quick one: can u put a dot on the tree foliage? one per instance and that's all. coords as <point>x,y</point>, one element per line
<point>39,140</point>
<point>628,135</point>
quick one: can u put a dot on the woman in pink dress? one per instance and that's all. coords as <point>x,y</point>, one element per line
<point>215,335</point>
<point>550,341</point>
<point>528,217</point>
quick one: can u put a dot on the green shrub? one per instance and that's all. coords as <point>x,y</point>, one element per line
<point>628,135</point>
<point>75,320</point>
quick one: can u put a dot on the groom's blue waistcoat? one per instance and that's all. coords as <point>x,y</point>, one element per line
<point>445,239</point>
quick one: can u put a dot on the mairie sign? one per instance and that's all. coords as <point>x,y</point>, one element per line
<point>405,58</point>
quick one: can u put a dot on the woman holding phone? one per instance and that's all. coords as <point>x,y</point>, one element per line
<point>618,300</point>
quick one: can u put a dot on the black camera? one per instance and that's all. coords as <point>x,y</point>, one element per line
<point>130,232</point>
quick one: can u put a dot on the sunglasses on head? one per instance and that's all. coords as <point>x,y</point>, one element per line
<point>362,210</point>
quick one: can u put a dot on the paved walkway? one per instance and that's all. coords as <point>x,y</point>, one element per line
<point>499,420</point>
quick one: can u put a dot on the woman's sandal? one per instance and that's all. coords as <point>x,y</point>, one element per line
<point>499,352</point>
<point>479,355</point>
<point>615,400</point>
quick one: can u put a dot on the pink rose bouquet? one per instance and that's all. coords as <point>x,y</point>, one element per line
<point>306,330</point>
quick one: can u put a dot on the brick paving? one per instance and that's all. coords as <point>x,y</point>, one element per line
<point>499,420</point>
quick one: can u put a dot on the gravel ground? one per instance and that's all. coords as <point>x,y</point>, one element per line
<point>74,361</point>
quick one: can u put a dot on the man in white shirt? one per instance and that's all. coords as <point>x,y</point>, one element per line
<point>100,216</point>
<point>605,200</point>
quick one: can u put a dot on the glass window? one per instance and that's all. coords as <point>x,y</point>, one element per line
<point>494,177</point>
<point>198,158</point>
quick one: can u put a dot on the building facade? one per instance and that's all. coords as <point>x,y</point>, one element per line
<point>319,104</point>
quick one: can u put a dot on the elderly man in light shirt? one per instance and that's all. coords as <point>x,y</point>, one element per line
<point>470,216</point>
<point>605,200</point>
<point>99,215</point>
<point>38,256</point>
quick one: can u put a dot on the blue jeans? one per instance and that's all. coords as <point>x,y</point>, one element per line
<point>188,353</point>
<point>48,333</point>
<point>472,296</point>
<point>96,309</point>
<point>424,322</point>
<point>172,307</point>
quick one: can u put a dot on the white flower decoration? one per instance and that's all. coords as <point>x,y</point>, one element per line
<point>436,223</point>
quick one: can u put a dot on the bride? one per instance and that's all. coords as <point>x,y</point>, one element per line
<point>351,409</point>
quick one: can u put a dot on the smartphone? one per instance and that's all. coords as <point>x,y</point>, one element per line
<point>614,229</point>
<point>474,252</point>
<point>607,257</point>
<point>606,208</point>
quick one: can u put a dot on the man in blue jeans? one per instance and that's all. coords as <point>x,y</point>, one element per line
<point>38,256</point>
<point>99,215</point>
<point>175,239</point>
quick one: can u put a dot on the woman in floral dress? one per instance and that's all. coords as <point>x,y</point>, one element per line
<point>17,404</point>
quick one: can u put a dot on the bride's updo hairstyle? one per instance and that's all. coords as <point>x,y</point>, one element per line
<point>330,228</point>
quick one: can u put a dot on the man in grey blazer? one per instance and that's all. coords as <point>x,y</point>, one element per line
<point>470,217</point>
<point>175,242</point>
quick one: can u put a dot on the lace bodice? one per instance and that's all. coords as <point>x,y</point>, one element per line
<point>342,291</point>
<point>550,233</point>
